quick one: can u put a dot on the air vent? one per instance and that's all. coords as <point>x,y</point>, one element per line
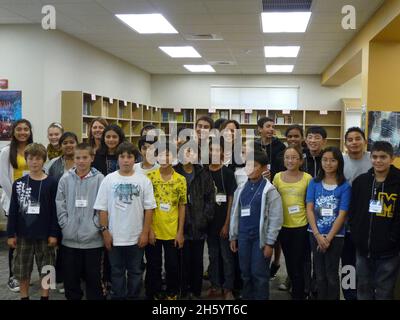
<point>286,5</point>
<point>222,63</point>
<point>200,37</point>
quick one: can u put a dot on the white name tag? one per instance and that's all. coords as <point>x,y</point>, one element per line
<point>375,206</point>
<point>326,212</point>
<point>165,207</point>
<point>294,209</point>
<point>269,167</point>
<point>220,197</point>
<point>33,209</point>
<point>81,203</point>
<point>245,212</point>
<point>25,172</point>
<point>121,206</point>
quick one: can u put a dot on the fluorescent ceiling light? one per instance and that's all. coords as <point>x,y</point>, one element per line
<point>147,23</point>
<point>281,51</point>
<point>199,68</point>
<point>278,68</point>
<point>181,52</point>
<point>273,22</point>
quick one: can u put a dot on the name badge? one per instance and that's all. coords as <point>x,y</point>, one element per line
<point>33,209</point>
<point>25,172</point>
<point>326,212</point>
<point>294,209</point>
<point>245,212</point>
<point>81,203</point>
<point>165,207</point>
<point>121,206</point>
<point>375,206</point>
<point>220,197</point>
<point>269,167</point>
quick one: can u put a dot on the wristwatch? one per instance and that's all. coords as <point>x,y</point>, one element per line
<point>103,228</point>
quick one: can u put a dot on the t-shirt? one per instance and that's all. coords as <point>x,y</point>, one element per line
<point>224,184</point>
<point>293,197</point>
<point>353,168</point>
<point>169,195</point>
<point>125,198</point>
<point>250,205</point>
<point>22,168</point>
<point>138,168</point>
<point>112,163</point>
<point>325,199</point>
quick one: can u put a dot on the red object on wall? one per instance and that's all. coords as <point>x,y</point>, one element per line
<point>3,84</point>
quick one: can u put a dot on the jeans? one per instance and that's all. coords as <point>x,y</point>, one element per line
<point>154,264</point>
<point>254,267</point>
<point>294,242</point>
<point>126,271</point>
<point>220,247</point>
<point>86,262</point>
<point>348,259</point>
<point>327,268</point>
<point>191,268</point>
<point>376,278</point>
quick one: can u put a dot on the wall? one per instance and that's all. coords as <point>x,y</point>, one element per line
<point>194,90</point>
<point>43,63</point>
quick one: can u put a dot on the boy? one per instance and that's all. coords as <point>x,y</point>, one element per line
<point>218,232</point>
<point>357,161</point>
<point>199,213</point>
<point>375,225</point>
<point>315,140</point>
<point>82,244</point>
<point>256,219</point>
<point>126,203</point>
<point>271,145</point>
<point>167,230</point>
<point>32,227</point>
<point>145,165</point>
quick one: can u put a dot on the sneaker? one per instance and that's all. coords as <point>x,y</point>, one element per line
<point>171,297</point>
<point>159,296</point>
<point>205,275</point>
<point>13,284</point>
<point>60,288</point>
<point>283,287</point>
<point>213,293</point>
<point>274,269</point>
<point>228,295</point>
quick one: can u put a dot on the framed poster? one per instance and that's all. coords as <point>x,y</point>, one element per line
<point>10,111</point>
<point>384,126</point>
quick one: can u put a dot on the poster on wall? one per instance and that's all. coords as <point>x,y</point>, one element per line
<point>10,111</point>
<point>384,126</point>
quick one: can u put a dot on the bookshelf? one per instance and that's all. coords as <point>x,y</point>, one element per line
<point>79,108</point>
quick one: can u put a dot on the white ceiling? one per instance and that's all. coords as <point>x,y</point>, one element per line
<point>237,21</point>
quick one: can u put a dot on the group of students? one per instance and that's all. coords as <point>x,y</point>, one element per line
<point>113,212</point>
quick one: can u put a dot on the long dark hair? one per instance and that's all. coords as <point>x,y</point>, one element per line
<point>112,127</point>
<point>14,142</point>
<point>340,178</point>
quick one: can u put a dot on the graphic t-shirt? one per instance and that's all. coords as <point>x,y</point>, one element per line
<point>125,198</point>
<point>328,201</point>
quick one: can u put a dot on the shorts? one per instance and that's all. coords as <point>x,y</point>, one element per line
<point>24,253</point>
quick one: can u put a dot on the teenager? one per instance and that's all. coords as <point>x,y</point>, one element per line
<point>54,132</point>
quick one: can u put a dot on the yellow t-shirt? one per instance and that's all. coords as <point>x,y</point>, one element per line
<point>293,200</point>
<point>22,167</point>
<point>169,195</point>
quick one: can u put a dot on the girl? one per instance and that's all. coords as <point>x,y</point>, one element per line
<point>96,129</point>
<point>58,166</point>
<point>328,199</point>
<point>54,132</point>
<point>230,134</point>
<point>292,185</point>
<point>13,166</point>
<point>105,160</point>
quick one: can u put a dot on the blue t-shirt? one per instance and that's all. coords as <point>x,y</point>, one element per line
<point>251,198</point>
<point>337,199</point>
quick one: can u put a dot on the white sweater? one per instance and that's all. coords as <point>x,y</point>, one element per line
<point>6,178</point>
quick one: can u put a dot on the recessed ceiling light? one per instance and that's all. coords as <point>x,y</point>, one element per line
<point>273,22</point>
<point>181,52</point>
<point>199,68</point>
<point>281,51</point>
<point>147,23</point>
<point>278,68</point>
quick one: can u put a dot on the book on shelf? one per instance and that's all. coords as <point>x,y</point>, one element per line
<point>120,112</point>
<point>224,114</point>
<point>279,120</point>
<point>253,118</point>
<point>87,108</point>
<point>235,116</point>
<point>105,108</point>
<point>180,117</point>
<point>165,116</point>
<point>85,129</point>
<point>187,116</point>
<point>288,119</point>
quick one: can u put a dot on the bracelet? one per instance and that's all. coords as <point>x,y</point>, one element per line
<point>103,228</point>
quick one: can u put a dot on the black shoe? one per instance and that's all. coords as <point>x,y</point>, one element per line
<point>274,269</point>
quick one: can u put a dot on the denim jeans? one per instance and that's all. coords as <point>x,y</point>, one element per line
<point>191,263</point>
<point>254,267</point>
<point>126,271</point>
<point>216,247</point>
<point>327,268</point>
<point>376,278</point>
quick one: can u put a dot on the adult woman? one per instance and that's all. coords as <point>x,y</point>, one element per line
<point>96,129</point>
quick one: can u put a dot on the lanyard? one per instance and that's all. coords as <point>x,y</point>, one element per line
<point>373,191</point>
<point>249,205</point>
<point>40,188</point>
<point>264,148</point>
